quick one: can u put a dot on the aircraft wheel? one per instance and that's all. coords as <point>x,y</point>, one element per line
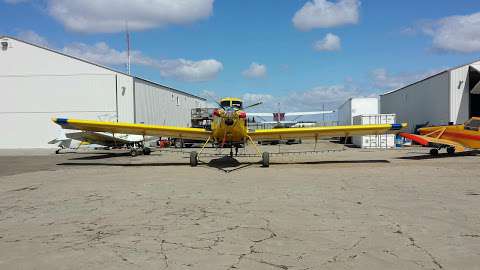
<point>133,152</point>
<point>147,151</point>
<point>451,150</point>
<point>265,159</point>
<point>57,151</point>
<point>434,152</point>
<point>193,159</point>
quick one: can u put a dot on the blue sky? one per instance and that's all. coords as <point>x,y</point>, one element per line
<point>255,48</point>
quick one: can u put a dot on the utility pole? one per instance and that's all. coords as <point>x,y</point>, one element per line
<point>323,115</point>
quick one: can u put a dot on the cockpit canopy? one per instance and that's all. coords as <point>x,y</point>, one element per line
<point>473,124</point>
<point>232,102</point>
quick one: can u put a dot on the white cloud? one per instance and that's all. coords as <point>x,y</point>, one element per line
<point>317,98</point>
<point>330,42</point>
<point>384,80</point>
<point>251,98</point>
<point>33,37</point>
<point>324,14</point>
<point>187,70</point>
<point>255,71</point>
<point>109,16</point>
<point>179,69</point>
<point>101,53</point>
<point>455,33</point>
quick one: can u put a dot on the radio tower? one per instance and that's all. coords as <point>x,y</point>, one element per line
<point>128,47</point>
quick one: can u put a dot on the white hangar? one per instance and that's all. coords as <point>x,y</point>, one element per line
<point>448,97</point>
<point>38,83</point>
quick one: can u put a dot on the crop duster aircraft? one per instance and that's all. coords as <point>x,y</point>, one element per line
<point>229,128</point>
<point>455,138</point>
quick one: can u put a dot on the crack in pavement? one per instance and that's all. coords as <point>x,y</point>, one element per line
<point>335,257</point>
<point>434,260</point>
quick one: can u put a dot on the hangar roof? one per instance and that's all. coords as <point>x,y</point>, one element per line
<point>431,76</point>
<point>105,67</point>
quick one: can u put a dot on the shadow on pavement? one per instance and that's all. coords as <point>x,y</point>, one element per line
<point>424,156</point>
<point>336,162</point>
<point>101,156</point>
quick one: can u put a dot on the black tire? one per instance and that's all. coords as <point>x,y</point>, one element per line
<point>451,150</point>
<point>434,152</point>
<point>57,151</point>
<point>265,160</point>
<point>147,151</point>
<point>193,159</point>
<point>133,152</point>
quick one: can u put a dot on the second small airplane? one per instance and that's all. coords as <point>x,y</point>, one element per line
<point>454,138</point>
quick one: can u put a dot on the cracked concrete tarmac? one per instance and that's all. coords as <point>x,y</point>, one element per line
<point>354,209</point>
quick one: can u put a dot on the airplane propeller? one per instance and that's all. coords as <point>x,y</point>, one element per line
<point>253,105</point>
<point>215,100</point>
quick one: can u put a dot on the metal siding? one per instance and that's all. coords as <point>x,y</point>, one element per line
<point>344,113</point>
<point>125,99</point>
<point>459,93</point>
<point>155,104</point>
<point>427,100</point>
<point>364,106</point>
<point>354,107</point>
<point>41,84</point>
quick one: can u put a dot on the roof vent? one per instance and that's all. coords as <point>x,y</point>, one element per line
<point>4,45</point>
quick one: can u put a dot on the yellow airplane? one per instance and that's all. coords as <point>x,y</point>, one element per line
<point>454,138</point>
<point>229,129</point>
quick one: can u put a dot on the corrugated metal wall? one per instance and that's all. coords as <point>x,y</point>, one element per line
<point>427,100</point>
<point>159,105</point>
<point>460,93</point>
<point>39,84</point>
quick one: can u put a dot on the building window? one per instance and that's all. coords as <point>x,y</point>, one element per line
<point>4,45</point>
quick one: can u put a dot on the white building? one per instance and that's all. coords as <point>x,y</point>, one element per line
<point>356,106</point>
<point>443,98</point>
<point>39,83</point>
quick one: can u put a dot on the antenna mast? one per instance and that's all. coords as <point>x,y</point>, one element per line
<point>128,47</point>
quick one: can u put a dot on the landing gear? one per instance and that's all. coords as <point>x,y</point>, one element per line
<point>451,150</point>
<point>265,159</point>
<point>133,152</point>
<point>231,152</point>
<point>147,151</point>
<point>193,159</point>
<point>434,152</point>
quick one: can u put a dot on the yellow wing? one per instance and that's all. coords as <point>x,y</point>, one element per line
<point>140,129</point>
<point>327,131</point>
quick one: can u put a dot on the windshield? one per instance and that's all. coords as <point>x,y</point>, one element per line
<point>225,103</point>
<point>234,103</point>
<point>237,104</point>
<point>473,124</point>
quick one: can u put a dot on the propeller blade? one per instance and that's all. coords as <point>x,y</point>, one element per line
<point>253,105</point>
<point>214,100</point>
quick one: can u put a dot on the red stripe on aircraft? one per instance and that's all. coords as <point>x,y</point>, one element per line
<point>415,138</point>
<point>462,135</point>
